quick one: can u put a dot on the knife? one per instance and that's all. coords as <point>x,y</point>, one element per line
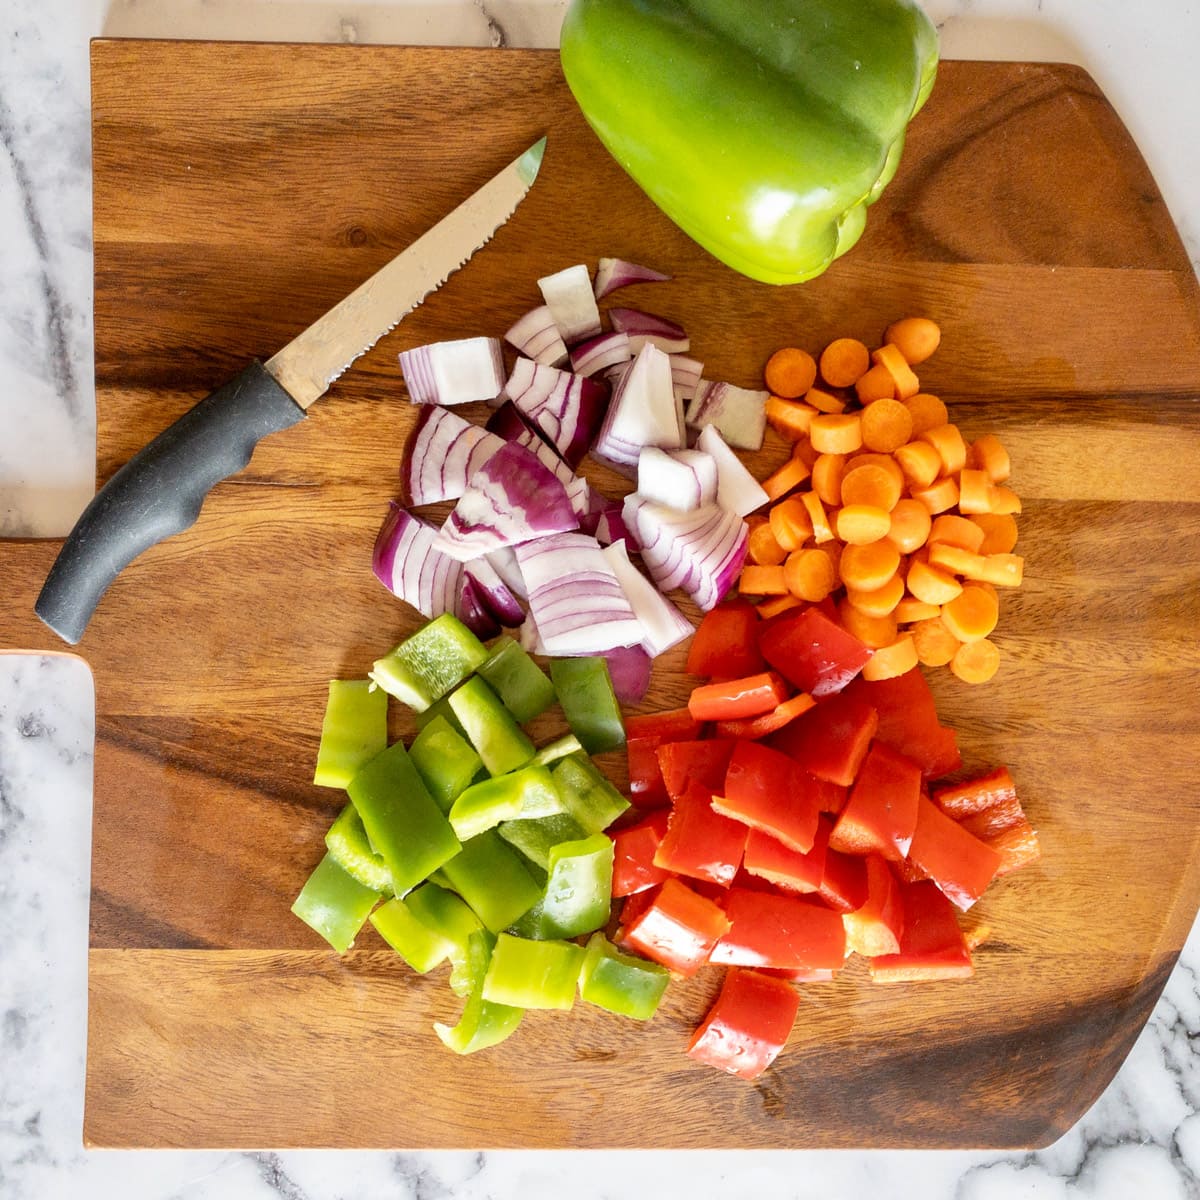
<point>161,489</point>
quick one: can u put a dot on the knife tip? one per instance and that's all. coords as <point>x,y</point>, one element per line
<point>530,162</point>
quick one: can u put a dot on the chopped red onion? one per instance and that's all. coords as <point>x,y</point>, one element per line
<point>509,423</point>
<point>457,372</point>
<point>739,413</point>
<point>441,454</point>
<point>529,638</point>
<point>575,599</point>
<point>642,413</point>
<point>663,625</point>
<point>644,327</point>
<point>505,564</point>
<point>568,295</point>
<point>494,593</point>
<point>600,352</point>
<point>473,612</point>
<point>614,273</point>
<point>685,375</point>
<point>629,672</point>
<point>536,336</point>
<point>407,561</point>
<point>566,409</point>
<point>512,498</point>
<point>682,479</point>
<point>611,527</point>
<point>737,490</point>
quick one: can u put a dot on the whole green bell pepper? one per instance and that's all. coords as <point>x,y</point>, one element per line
<point>765,129</point>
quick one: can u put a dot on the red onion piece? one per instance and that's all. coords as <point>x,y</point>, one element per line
<point>536,336</point>
<point>505,564</point>
<point>600,352</point>
<point>643,412</point>
<point>442,452</point>
<point>643,327</point>
<point>493,593</point>
<point>512,498</point>
<point>456,372</point>
<point>629,671</point>
<point>682,479</point>
<point>614,273</point>
<point>740,414</point>
<point>408,563</point>
<point>611,527</point>
<point>737,490</point>
<point>663,625</point>
<point>566,409</point>
<point>568,296</point>
<point>509,423</point>
<point>685,375</point>
<point>474,612</point>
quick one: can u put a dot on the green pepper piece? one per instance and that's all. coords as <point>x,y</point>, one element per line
<point>500,741</point>
<point>776,125</point>
<point>353,731</point>
<point>429,926</point>
<point>439,708</point>
<point>493,879</point>
<point>427,665</point>
<point>347,841</point>
<point>334,904</point>
<point>531,974</point>
<point>621,983</point>
<point>577,898</point>
<point>404,824</point>
<point>587,794</point>
<point>536,837</point>
<point>519,682</point>
<point>483,1023</point>
<point>529,792</point>
<point>559,748</point>
<point>586,695</point>
<point>445,761</point>
<point>419,945</point>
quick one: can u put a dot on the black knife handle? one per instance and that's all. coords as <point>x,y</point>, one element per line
<point>160,491</point>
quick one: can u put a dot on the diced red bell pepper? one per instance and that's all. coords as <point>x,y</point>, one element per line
<point>811,651</point>
<point>772,930</point>
<point>803,975</point>
<point>881,813</point>
<point>699,841</point>
<point>646,787</point>
<point>675,725</point>
<point>753,728</point>
<point>958,862</point>
<point>703,762</point>
<point>1005,828</point>
<point>632,907</point>
<point>748,1025</point>
<point>831,740</point>
<point>767,790</point>
<point>768,858</point>
<point>844,882</point>
<point>876,928</point>
<point>932,945</point>
<point>678,928</point>
<point>634,847</point>
<point>959,800</point>
<point>725,645</point>
<point>747,696</point>
<point>908,721</point>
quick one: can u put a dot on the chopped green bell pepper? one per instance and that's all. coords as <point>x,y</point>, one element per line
<point>483,1022</point>
<point>577,897</point>
<point>439,708</point>
<point>421,946</point>
<point>587,793</point>
<point>353,732</point>
<point>536,837</point>
<point>493,879</point>
<point>500,741</point>
<point>762,129</point>
<point>334,904</point>
<point>347,841</point>
<point>559,748</point>
<point>427,665</point>
<point>445,761</point>
<point>531,974</point>
<point>621,983</point>
<point>529,792</point>
<point>519,682</point>
<point>585,693</point>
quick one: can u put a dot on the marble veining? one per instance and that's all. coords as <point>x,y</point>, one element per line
<point>1141,1138</point>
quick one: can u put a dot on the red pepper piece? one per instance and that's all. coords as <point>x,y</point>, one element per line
<point>768,858</point>
<point>767,790</point>
<point>703,762</point>
<point>675,725</point>
<point>831,740</point>
<point>749,696</point>
<point>876,928</point>
<point>646,787</point>
<point>699,841</point>
<point>634,847</point>
<point>844,882</point>
<point>957,861</point>
<point>632,907</point>
<point>725,645</point>
<point>881,813</point>
<point>908,721</point>
<point>932,945</point>
<point>753,728</point>
<point>812,652</point>
<point>678,928</point>
<point>748,1025</point>
<point>785,932</point>
<point>803,975</point>
<point>1005,828</point>
<point>965,799</point>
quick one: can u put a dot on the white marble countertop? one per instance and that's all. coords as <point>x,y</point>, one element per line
<point>1142,1136</point>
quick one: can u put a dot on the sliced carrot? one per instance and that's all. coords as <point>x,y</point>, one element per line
<point>788,477</point>
<point>833,549</point>
<point>915,337</point>
<point>790,372</point>
<point>876,384</point>
<point>889,661</point>
<point>1004,570</point>
<point>947,440</point>
<point>809,575</point>
<point>920,463</point>
<point>874,458</point>
<point>824,401</point>
<point>871,631</point>
<point>999,532</point>
<point>956,560</point>
<point>989,455</point>
<point>790,523</point>
<point>844,361</point>
<point>975,662</point>
<point>927,412</point>
<point>910,610</point>
<point>910,526</point>
<point>930,584</point>
<point>868,567</point>
<point>974,491</point>
<point>818,520</point>
<point>956,531</point>
<point>803,450</point>
<point>939,496</point>
<point>762,581</point>
<point>886,425</point>
<point>889,357</point>
<point>878,602</point>
<point>971,615</point>
<point>936,645</point>
<point>872,485</point>
<point>858,524</point>
<point>1003,501</point>
<point>827,477</point>
<point>836,433</point>
<point>789,418</point>
<point>776,605</point>
<point>764,550</point>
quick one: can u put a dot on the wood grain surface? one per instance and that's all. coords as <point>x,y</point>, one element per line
<point>240,190</point>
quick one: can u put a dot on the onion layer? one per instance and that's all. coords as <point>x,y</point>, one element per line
<point>457,372</point>
<point>441,454</point>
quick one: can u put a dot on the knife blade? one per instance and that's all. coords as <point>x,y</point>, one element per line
<point>160,491</point>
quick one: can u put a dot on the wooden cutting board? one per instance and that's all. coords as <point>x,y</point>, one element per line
<point>239,191</point>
